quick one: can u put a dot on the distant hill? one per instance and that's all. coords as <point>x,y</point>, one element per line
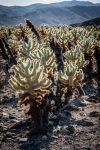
<point>65,15</point>
<point>72,3</point>
<point>95,21</point>
<point>61,4</point>
<point>67,12</point>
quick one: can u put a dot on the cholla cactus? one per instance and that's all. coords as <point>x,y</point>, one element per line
<point>71,75</point>
<point>29,77</point>
<point>5,32</point>
<point>26,48</point>
<point>96,35</point>
<point>78,77</point>
<point>98,44</point>
<point>73,35</point>
<point>14,44</point>
<point>36,51</point>
<point>62,39</point>
<point>23,30</point>
<point>43,29</point>
<point>74,54</point>
<point>87,45</point>
<point>81,62</point>
<point>47,58</point>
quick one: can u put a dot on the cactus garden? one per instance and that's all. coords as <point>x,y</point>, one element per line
<point>49,87</point>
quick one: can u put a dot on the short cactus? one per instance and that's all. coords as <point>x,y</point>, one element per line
<point>72,78</point>
<point>26,48</point>
<point>81,62</point>
<point>47,58</point>
<point>74,54</point>
<point>87,45</point>
<point>70,75</point>
<point>29,77</point>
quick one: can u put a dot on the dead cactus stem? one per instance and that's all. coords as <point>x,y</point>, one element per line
<point>58,53</point>
<point>36,107</point>
<point>90,66</point>
<point>68,93</point>
<point>31,26</point>
<point>60,91</point>
<point>97,56</point>
<point>9,51</point>
<point>3,53</point>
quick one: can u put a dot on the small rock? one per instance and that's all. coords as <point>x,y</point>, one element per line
<point>84,122</point>
<point>44,138</point>
<point>54,118</point>
<point>1,128</point>
<point>1,109</point>
<point>79,102</point>
<point>56,137</point>
<point>49,134</point>
<point>58,127</point>
<point>5,128</point>
<point>52,103</point>
<point>5,96</point>
<point>71,107</point>
<point>14,130</point>
<point>13,99</point>
<point>12,117</point>
<point>19,108</point>
<point>64,131</point>
<point>10,134</point>
<point>5,115</point>
<point>83,109</point>
<point>4,100</point>
<point>94,114</point>
<point>13,95</point>
<point>15,121</point>
<point>80,108</point>
<point>9,138</point>
<point>55,131</point>
<point>82,114</point>
<point>67,113</point>
<point>51,123</point>
<point>23,139</point>
<point>71,129</point>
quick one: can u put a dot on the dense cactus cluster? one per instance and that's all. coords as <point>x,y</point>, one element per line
<point>44,56</point>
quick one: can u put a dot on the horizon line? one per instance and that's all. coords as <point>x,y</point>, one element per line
<point>48,3</point>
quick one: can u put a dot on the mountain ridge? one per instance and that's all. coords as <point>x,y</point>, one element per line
<point>66,12</point>
<point>94,22</point>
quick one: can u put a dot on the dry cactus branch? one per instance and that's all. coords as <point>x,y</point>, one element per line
<point>31,26</point>
<point>58,53</point>
<point>9,51</point>
<point>37,108</point>
<point>3,53</point>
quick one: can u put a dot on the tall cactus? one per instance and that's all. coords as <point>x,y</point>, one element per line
<point>72,77</point>
<point>30,78</point>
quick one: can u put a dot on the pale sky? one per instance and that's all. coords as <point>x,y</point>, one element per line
<point>28,2</point>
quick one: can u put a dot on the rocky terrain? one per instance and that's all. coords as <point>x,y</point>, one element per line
<point>75,126</point>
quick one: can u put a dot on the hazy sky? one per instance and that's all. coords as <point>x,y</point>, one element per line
<point>28,2</point>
